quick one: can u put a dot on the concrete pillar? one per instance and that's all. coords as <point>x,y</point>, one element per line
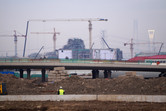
<point>93,74</point>
<point>21,73</point>
<point>109,74</point>
<point>105,74</point>
<point>97,73</point>
<point>43,74</point>
<point>28,73</point>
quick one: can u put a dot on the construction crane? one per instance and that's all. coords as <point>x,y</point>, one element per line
<point>56,20</point>
<point>160,48</point>
<point>15,40</point>
<point>54,36</point>
<point>132,45</point>
<point>39,52</point>
<point>107,44</point>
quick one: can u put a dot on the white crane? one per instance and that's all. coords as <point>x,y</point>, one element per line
<point>56,20</point>
<point>15,40</point>
<point>132,45</point>
<point>54,36</point>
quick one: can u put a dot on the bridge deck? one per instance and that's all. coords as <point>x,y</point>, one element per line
<point>84,66</point>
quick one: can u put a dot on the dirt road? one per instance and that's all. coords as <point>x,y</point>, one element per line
<point>81,106</point>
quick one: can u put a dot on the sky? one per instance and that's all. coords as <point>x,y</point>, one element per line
<point>126,19</point>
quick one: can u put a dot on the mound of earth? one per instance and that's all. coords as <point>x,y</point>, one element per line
<point>78,85</point>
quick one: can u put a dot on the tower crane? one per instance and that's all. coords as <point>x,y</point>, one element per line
<point>15,40</point>
<point>54,36</point>
<point>132,45</point>
<point>63,20</point>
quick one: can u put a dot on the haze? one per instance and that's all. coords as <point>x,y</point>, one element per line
<point>123,17</point>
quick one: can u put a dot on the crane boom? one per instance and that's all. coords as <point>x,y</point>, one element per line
<point>39,52</point>
<point>44,33</point>
<point>107,44</point>
<point>75,19</point>
<point>160,48</point>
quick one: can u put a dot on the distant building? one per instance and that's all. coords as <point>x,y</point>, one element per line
<point>99,54</point>
<point>82,54</point>
<point>65,54</point>
<point>107,54</point>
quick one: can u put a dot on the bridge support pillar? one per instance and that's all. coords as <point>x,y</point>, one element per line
<point>21,73</point>
<point>107,73</point>
<point>95,74</point>
<point>43,74</point>
<point>28,73</point>
<point>162,74</point>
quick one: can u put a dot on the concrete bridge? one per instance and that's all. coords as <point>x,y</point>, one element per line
<point>94,66</point>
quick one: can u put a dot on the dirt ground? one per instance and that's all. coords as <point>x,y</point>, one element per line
<point>77,85</point>
<point>81,106</point>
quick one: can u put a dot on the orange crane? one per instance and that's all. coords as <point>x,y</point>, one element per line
<point>15,40</point>
<point>132,45</point>
<point>54,36</point>
<point>56,20</point>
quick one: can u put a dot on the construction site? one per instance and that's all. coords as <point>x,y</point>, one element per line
<point>129,84</point>
<point>82,55</point>
<point>83,92</point>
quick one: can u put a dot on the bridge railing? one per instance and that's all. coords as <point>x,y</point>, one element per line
<point>101,61</point>
<point>12,60</point>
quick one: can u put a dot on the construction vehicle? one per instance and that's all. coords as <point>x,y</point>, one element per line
<point>3,90</point>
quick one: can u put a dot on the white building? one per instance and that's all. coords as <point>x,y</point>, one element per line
<point>65,54</point>
<point>104,54</point>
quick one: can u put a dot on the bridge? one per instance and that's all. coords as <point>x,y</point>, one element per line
<point>80,65</point>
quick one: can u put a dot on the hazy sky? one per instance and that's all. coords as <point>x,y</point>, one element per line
<point>121,14</point>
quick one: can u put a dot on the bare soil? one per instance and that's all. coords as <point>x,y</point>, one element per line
<point>77,85</point>
<point>81,106</point>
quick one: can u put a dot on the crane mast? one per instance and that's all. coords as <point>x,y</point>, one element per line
<point>54,36</point>
<point>15,40</point>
